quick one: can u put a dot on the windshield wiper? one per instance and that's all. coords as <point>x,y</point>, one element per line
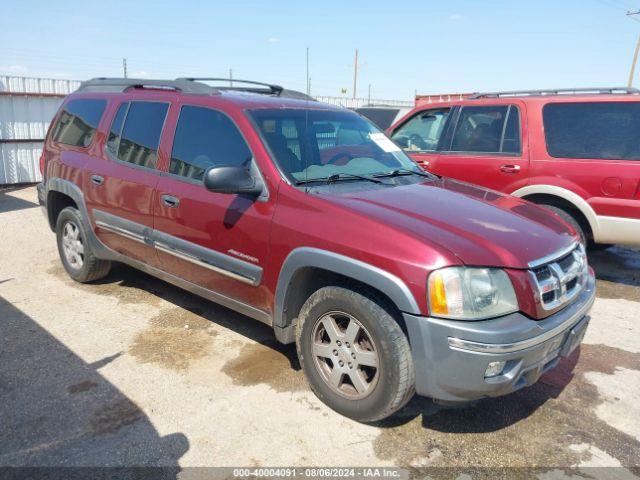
<point>336,177</point>
<point>405,171</point>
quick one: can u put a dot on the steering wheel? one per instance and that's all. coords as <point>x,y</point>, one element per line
<point>338,156</point>
<point>418,141</point>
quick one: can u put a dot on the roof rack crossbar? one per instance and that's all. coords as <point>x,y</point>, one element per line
<point>188,85</point>
<point>274,89</point>
<point>557,91</point>
<point>122,84</point>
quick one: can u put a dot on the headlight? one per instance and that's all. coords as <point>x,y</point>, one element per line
<point>470,293</point>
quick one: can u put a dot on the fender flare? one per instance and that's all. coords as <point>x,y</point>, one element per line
<point>305,257</point>
<point>72,190</point>
<point>571,197</point>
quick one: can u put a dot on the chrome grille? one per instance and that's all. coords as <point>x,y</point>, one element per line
<point>560,280</point>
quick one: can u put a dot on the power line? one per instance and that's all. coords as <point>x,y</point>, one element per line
<point>355,74</point>
<point>635,53</point>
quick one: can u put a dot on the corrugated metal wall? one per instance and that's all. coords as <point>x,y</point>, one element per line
<point>363,102</point>
<point>27,105</point>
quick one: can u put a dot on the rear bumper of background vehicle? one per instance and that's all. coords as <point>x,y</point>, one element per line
<point>451,357</point>
<point>618,230</point>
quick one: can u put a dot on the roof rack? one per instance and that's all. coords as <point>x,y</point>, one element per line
<point>103,84</point>
<point>273,89</point>
<point>558,91</point>
<point>188,85</point>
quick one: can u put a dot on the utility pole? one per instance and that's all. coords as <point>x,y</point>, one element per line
<point>369,96</point>
<point>355,74</point>
<point>231,77</point>
<point>308,79</point>
<point>124,67</point>
<point>635,54</point>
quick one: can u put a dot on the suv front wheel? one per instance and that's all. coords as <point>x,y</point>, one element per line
<point>354,354</point>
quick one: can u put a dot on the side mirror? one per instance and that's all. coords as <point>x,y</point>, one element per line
<point>232,180</point>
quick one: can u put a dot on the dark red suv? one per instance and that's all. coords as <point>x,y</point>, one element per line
<point>306,217</point>
<point>575,152</point>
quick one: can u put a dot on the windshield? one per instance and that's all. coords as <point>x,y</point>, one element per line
<point>316,144</point>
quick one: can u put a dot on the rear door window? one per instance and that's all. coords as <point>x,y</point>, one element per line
<point>141,133</point>
<point>491,129</point>
<point>78,122</point>
<point>115,132</point>
<point>602,130</point>
<point>204,138</point>
<point>421,133</point>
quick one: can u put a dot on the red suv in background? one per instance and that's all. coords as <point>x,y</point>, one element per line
<point>306,217</point>
<point>575,152</point>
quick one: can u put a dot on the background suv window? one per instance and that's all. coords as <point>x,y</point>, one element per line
<point>141,133</point>
<point>204,138</point>
<point>422,132</point>
<point>487,130</point>
<point>607,130</point>
<point>78,122</point>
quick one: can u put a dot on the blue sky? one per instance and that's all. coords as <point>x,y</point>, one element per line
<point>428,46</point>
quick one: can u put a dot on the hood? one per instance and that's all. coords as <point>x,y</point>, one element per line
<point>481,227</point>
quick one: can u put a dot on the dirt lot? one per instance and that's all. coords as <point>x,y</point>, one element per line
<point>132,371</point>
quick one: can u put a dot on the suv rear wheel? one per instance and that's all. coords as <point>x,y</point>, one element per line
<point>354,353</point>
<point>75,252</point>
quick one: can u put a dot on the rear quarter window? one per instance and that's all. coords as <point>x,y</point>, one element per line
<point>78,121</point>
<point>599,130</point>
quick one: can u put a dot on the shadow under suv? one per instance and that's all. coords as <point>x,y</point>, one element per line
<point>305,216</point>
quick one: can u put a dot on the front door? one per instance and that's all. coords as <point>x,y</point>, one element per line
<point>484,145</point>
<point>216,241</point>
<point>420,135</point>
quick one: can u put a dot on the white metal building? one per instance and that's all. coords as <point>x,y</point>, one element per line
<point>27,105</point>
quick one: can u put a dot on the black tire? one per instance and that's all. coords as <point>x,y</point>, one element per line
<point>92,268</point>
<point>596,247</point>
<point>570,219</point>
<point>395,384</point>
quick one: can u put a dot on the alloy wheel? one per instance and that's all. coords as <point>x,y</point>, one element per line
<point>72,245</point>
<point>345,355</point>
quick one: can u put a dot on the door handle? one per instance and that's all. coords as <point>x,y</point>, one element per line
<point>510,168</point>
<point>97,179</point>
<point>170,201</point>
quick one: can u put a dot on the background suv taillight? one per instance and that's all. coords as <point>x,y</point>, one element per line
<point>42,159</point>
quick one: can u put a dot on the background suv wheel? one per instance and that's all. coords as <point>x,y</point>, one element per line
<point>354,353</point>
<point>75,252</point>
<point>570,219</point>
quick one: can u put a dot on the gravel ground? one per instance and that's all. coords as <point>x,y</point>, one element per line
<point>132,371</point>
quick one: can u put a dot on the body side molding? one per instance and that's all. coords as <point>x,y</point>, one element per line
<point>305,257</point>
<point>105,253</point>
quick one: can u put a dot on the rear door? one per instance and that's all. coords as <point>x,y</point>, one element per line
<point>217,241</point>
<point>419,136</point>
<point>485,145</point>
<point>593,147</point>
<point>120,185</point>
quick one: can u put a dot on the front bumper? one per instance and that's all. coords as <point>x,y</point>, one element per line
<point>451,357</point>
